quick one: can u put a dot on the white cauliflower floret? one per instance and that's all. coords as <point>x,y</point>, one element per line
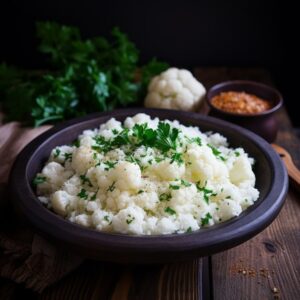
<point>83,220</point>
<point>204,165</point>
<point>175,89</point>
<point>55,175</point>
<point>126,175</point>
<point>129,220</point>
<point>168,171</point>
<point>60,201</point>
<point>82,159</point>
<point>242,172</point>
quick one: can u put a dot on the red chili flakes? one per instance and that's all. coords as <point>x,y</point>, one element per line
<point>240,103</point>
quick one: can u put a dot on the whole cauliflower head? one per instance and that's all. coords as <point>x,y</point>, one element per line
<point>175,89</point>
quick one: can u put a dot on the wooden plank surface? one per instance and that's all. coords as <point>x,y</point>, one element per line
<point>250,271</point>
<point>267,266</point>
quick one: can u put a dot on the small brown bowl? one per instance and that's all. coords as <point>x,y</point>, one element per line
<point>263,123</point>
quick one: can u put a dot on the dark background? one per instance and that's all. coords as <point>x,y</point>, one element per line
<point>183,33</point>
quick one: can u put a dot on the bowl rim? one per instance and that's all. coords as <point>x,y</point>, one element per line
<point>250,83</point>
<point>230,233</point>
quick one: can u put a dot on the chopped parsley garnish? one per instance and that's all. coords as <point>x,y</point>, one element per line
<point>237,153</point>
<point>170,211</point>
<point>39,179</point>
<point>109,165</point>
<point>206,192</point>
<point>216,152</point>
<point>130,219</point>
<point>85,180</point>
<point>111,187</point>
<point>115,131</point>
<point>205,220</point>
<point>121,139</point>
<point>196,140</point>
<point>93,198</point>
<point>189,230</point>
<point>76,143</point>
<point>140,192</point>
<point>102,145</point>
<point>174,187</point>
<point>185,183</point>
<point>228,197</point>
<point>159,159</point>
<point>144,135</point>
<point>106,218</point>
<point>83,194</point>
<point>165,197</point>
<point>177,157</point>
<point>56,152</point>
<point>166,137</point>
<point>68,156</point>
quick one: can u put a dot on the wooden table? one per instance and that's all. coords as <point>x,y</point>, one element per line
<point>265,267</point>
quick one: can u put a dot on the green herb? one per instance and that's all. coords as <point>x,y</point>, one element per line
<point>56,152</point>
<point>216,152</point>
<point>115,131</point>
<point>158,159</point>
<point>189,230</point>
<point>206,192</point>
<point>87,75</point>
<point>185,183</point>
<point>165,197</point>
<point>228,197</point>
<point>166,137</point>
<point>85,180</point>
<point>76,143</point>
<point>83,194</point>
<point>106,218</point>
<point>174,187</point>
<point>131,159</point>
<point>130,219</point>
<point>38,180</point>
<point>68,156</point>
<point>205,220</point>
<point>196,140</point>
<point>237,153</point>
<point>140,192</point>
<point>111,187</point>
<point>93,198</point>
<point>109,164</point>
<point>170,211</point>
<point>177,157</point>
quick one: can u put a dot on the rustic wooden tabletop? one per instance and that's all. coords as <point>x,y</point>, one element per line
<point>265,267</point>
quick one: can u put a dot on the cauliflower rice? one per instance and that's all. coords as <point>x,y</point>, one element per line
<point>147,177</point>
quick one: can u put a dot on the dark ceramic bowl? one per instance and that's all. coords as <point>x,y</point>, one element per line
<point>272,182</point>
<point>264,123</point>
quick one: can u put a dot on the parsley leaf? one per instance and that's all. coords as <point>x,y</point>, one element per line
<point>166,137</point>
<point>85,180</point>
<point>216,152</point>
<point>111,187</point>
<point>165,197</point>
<point>205,220</point>
<point>38,180</point>
<point>83,194</point>
<point>170,211</point>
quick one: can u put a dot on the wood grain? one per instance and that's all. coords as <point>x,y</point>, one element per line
<point>267,266</point>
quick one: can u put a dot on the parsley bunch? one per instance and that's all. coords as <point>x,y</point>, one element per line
<point>87,75</point>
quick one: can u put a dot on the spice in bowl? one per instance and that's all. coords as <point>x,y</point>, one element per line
<point>240,103</point>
